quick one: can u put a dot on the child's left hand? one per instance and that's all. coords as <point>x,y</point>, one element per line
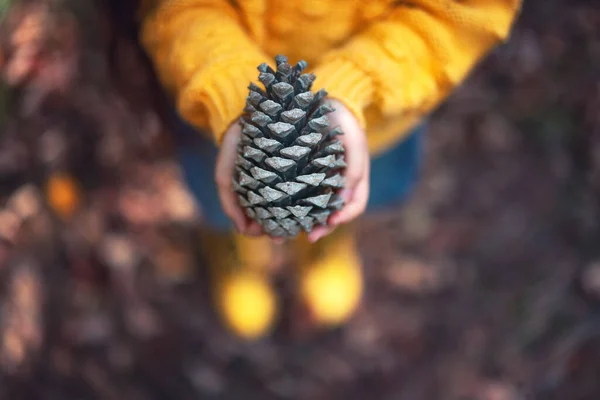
<point>356,190</point>
<point>355,194</point>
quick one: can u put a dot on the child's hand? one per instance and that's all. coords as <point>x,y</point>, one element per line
<point>355,194</point>
<point>223,177</point>
<point>356,191</point>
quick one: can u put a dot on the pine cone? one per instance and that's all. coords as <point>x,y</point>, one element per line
<point>290,162</point>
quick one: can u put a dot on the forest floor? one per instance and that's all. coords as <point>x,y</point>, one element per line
<point>485,285</point>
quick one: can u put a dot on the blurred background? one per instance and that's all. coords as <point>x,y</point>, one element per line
<point>486,286</point>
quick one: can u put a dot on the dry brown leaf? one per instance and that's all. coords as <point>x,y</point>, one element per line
<point>63,194</point>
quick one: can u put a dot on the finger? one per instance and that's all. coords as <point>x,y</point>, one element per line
<point>228,203</point>
<point>320,232</point>
<point>354,142</point>
<point>254,229</point>
<point>356,205</point>
<point>223,175</point>
<point>226,157</point>
<point>355,208</point>
<point>355,159</point>
<point>231,208</point>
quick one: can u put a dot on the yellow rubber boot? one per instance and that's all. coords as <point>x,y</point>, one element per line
<point>243,295</point>
<point>331,282</point>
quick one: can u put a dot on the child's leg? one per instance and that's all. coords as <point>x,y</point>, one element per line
<point>330,272</point>
<point>242,291</point>
<point>330,276</point>
<point>238,264</point>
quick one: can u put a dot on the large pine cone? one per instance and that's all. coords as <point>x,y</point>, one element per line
<point>290,162</point>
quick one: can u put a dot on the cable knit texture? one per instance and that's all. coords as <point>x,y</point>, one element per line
<point>390,62</point>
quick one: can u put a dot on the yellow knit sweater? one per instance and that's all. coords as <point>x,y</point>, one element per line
<point>390,62</point>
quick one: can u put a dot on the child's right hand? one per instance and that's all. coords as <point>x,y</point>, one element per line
<point>223,174</point>
<point>355,194</point>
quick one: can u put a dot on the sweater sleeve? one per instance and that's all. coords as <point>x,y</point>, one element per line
<point>203,57</point>
<point>406,63</point>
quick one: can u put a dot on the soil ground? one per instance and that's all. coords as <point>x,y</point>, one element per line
<point>483,286</point>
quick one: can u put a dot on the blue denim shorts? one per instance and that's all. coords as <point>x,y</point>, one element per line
<point>394,173</point>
